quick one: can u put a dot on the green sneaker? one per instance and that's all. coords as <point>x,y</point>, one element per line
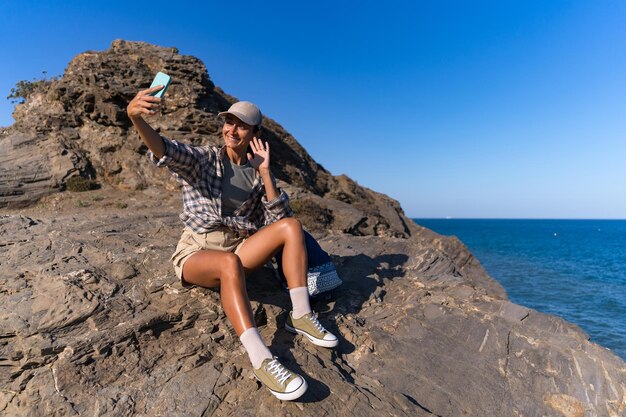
<point>283,384</point>
<point>312,329</point>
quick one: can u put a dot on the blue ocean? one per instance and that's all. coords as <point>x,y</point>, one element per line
<point>575,269</point>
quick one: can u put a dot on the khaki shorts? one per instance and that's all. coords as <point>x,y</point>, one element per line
<point>191,242</point>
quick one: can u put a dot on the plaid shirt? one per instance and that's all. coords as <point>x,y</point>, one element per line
<point>200,170</point>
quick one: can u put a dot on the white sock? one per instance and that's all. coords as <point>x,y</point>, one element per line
<point>300,301</point>
<point>254,345</point>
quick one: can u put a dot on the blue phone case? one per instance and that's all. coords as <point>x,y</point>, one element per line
<point>161,79</point>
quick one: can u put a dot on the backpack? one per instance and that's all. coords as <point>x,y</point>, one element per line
<point>322,276</point>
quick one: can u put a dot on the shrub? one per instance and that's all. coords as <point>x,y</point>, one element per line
<point>78,184</point>
<point>23,89</point>
<point>313,216</point>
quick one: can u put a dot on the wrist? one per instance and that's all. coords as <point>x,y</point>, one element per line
<point>135,118</point>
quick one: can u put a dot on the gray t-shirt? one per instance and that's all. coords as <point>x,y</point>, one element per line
<point>236,185</point>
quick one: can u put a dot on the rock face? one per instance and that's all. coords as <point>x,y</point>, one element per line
<point>93,321</point>
<point>77,125</point>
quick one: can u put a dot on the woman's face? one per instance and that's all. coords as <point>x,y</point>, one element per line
<point>237,134</point>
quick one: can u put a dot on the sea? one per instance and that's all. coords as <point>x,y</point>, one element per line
<point>575,269</point>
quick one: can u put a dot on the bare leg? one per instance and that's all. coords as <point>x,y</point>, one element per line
<point>211,268</point>
<point>261,246</point>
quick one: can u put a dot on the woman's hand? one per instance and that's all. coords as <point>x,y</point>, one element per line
<point>260,158</point>
<point>144,103</point>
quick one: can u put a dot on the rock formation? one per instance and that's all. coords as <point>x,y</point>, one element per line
<point>93,321</point>
<point>77,125</point>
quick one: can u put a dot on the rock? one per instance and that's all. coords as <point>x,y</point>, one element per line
<point>77,125</point>
<point>94,322</point>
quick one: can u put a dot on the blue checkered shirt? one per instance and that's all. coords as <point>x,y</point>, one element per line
<point>200,170</point>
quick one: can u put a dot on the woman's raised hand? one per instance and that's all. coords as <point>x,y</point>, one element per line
<point>260,158</point>
<point>144,103</point>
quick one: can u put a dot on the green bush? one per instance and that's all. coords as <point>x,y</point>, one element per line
<point>23,89</point>
<point>313,216</point>
<point>78,184</point>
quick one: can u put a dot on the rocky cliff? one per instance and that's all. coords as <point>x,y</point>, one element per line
<point>93,322</point>
<point>77,126</point>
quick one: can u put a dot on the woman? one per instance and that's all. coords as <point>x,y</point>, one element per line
<point>235,220</point>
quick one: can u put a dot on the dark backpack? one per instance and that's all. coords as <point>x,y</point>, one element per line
<point>322,276</point>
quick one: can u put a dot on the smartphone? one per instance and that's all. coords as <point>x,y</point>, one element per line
<point>161,79</point>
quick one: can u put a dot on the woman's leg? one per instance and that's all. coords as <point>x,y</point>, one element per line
<point>261,246</point>
<point>286,233</point>
<point>212,268</point>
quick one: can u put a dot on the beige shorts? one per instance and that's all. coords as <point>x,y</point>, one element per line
<point>191,242</point>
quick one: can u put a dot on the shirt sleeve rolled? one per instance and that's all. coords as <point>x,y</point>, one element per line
<point>179,158</point>
<point>276,209</point>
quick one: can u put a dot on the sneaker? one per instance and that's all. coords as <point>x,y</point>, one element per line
<point>312,329</point>
<point>283,384</point>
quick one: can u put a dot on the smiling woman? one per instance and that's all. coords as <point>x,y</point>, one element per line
<point>236,219</point>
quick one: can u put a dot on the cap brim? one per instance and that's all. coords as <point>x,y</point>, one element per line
<point>239,116</point>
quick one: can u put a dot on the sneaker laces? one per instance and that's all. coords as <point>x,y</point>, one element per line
<point>279,372</point>
<point>316,323</point>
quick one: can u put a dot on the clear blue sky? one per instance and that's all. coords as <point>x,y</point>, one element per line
<point>463,109</point>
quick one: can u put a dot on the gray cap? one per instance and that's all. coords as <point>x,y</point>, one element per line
<point>245,111</point>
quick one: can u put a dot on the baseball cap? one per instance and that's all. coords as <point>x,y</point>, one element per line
<point>245,111</point>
